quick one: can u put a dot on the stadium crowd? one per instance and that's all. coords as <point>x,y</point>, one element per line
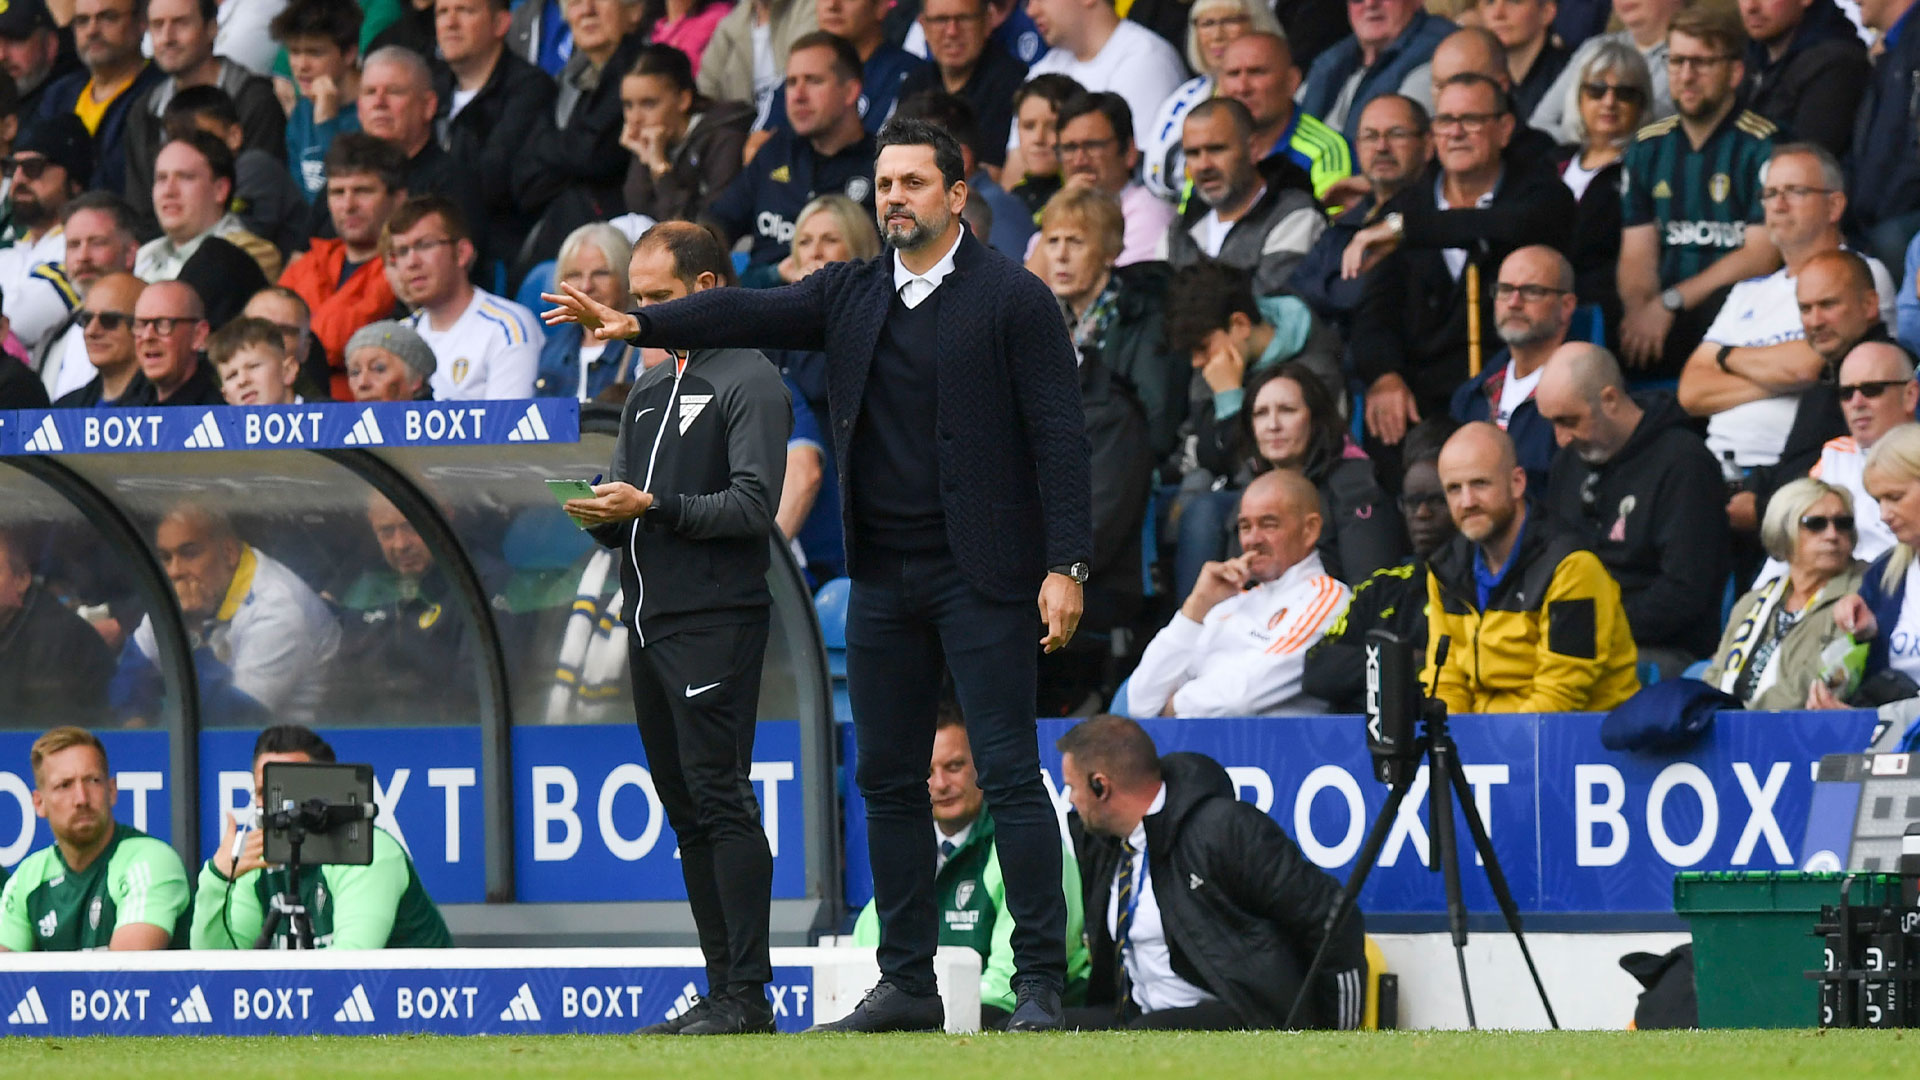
<point>1472,320</point>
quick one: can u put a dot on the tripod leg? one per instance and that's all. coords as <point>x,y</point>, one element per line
<point>1496,878</point>
<point>1446,853</point>
<point>1350,896</point>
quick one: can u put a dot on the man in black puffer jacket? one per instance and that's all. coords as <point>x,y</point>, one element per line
<point>1202,914</point>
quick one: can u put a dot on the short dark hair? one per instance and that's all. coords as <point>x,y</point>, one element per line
<point>666,62</point>
<point>336,20</point>
<point>1114,745</point>
<point>1110,105</point>
<point>1204,297</point>
<point>1502,101</point>
<point>694,249</point>
<point>1236,111</point>
<point>1326,431</point>
<point>1054,87</point>
<point>1422,117</point>
<point>907,131</point>
<point>244,332</point>
<point>846,58</point>
<point>949,111</point>
<point>420,207</point>
<point>292,739</point>
<point>1721,29</point>
<point>215,149</point>
<point>1424,442</point>
<point>197,101</point>
<point>106,202</point>
<point>359,152</point>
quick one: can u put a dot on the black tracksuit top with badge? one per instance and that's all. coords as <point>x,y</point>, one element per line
<point>705,433</point>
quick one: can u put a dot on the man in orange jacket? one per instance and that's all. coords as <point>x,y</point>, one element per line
<point>344,280</point>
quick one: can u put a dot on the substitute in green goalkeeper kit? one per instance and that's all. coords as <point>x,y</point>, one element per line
<point>100,884</point>
<point>378,906</point>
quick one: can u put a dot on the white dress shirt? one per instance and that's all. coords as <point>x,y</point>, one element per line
<point>1149,961</point>
<point>914,288</point>
<point>958,840</point>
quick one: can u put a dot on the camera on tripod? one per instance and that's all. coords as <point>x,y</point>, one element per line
<point>314,814</point>
<point>1395,705</point>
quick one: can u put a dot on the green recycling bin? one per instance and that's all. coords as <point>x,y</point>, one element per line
<point>1753,940</point>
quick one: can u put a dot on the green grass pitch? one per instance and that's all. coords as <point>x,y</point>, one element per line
<point>1400,1055</point>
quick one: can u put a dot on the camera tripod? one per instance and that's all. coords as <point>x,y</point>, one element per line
<point>286,906</point>
<point>1446,780</point>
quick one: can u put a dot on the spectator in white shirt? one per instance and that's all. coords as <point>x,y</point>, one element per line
<point>1877,393</point>
<point>488,347</point>
<point>1101,51</point>
<point>1238,645</point>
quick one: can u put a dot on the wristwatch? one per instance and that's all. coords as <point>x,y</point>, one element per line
<point>1672,300</point>
<point>1396,225</point>
<point>1078,571</point>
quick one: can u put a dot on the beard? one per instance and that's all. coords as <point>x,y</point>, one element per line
<point>28,210</point>
<point>1519,333</point>
<point>917,233</point>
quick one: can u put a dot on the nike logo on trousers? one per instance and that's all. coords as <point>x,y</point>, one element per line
<point>696,691</point>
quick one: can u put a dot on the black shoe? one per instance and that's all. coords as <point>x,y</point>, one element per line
<point>889,1008</point>
<point>1036,1007</point>
<point>745,1013</point>
<point>692,1014</point>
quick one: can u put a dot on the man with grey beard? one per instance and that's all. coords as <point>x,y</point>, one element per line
<point>1533,306</point>
<point>1642,492</point>
<point>1258,217</point>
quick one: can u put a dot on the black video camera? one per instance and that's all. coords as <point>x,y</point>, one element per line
<point>1394,704</point>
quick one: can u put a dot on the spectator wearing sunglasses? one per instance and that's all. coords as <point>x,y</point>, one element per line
<point>105,322</point>
<point>1770,655</point>
<point>48,168</point>
<point>1608,104</point>
<point>1877,393</point>
<point>1639,490</point>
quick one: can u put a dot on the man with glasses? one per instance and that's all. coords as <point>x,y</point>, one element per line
<point>105,325</point>
<point>1533,307</point>
<point>1877,393</point>
<point>963,63</point>
<point>49,167</point>
<point>1391,43</point>
<point>1638,489</point>
<point>98,234</point>
<point>1394,144</point>
<point>1748,373</point>
<point>487,346</point>
<point>1097,151</point>
<point>1410,335</point>
<point>1692,216</point>
<point>343,278</point>
<point>169,330</point>
<point>106,34</point>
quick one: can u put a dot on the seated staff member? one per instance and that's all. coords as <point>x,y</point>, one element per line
<point>379,906</point>
<point>100,884</point>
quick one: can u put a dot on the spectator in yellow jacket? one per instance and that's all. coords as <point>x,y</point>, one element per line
<point>1534,621</point>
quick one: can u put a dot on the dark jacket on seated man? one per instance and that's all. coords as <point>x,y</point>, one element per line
<point>1244,910</point>
<point>53,666</point>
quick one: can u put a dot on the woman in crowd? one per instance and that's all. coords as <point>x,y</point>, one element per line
<point>593,259</point>
<point>1211,26</point>
<point>830,229</point>
<point>1609,100</point>
<point>1292,422</point>
<point>686,25</point>
<point>1032,172</point>
<point>685,147</point>
<point>1879,613</point>
<point>387,361</point>
<point>1770,654</point>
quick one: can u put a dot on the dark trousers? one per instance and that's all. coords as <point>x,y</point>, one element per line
<point>905,615</point>
<point>695,695</point>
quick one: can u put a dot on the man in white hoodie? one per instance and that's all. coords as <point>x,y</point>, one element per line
<point>1239,643</point>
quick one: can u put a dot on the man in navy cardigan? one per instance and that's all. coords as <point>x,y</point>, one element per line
<point>964,489</point>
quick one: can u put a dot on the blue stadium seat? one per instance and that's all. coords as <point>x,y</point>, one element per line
<point>538,280</point>
<point>1118,706</point>
<point>1697,669</point>
<point>740,259</point>
<point>1589,325</point>
<point>830,605</point>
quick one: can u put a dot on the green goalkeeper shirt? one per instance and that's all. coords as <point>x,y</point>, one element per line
<point>378,906</point>
<point>48,907</point>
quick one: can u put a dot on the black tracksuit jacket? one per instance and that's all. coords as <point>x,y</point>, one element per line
<point>708,439</point>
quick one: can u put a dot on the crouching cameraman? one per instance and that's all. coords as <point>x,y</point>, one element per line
<point>378,906</point>
<point>1202,914</point>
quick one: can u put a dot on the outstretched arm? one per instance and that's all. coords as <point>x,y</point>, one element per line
<point>790,317</point>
